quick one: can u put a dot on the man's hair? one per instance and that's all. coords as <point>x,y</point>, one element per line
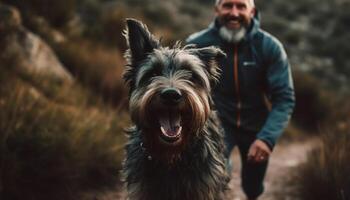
<point>251,2</point>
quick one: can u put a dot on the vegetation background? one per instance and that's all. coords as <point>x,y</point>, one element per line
<point>60,139</point>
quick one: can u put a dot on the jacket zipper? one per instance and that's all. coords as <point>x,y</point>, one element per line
<point>236,82</point>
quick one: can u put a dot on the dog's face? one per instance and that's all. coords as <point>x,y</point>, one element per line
<point>169,88</point>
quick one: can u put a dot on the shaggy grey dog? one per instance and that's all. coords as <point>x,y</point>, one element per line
<point>175,149</point>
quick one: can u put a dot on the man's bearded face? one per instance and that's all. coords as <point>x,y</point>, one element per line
<point>235,14</point>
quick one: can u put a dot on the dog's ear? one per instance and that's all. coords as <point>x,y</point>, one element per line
<point>140,41</point>
<point>211,57</point>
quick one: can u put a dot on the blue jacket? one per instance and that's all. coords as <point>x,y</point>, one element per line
<point>255,93</point>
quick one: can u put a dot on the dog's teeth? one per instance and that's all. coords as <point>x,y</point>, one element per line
<point>179,130</point>
<point>162,129</point>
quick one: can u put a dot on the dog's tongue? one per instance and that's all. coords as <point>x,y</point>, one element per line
<point>170,124</point>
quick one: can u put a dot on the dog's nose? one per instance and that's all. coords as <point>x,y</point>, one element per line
<point>171,95</point>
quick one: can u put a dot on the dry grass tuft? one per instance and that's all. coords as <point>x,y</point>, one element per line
<point>326,174</point>
<point>55,146</point>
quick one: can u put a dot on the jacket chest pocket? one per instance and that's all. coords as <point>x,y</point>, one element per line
<point>252,75</point>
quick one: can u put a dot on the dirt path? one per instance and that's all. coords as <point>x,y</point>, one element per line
<point>284,158</point>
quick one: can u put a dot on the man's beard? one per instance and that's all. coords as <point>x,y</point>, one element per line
<point>232,36</point>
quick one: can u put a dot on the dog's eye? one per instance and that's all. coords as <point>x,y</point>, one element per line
<point>147,77</point>
<point>195,78</point>
<point>155,73</point>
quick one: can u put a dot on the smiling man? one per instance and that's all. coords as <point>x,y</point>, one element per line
<point>255,95</point>
<point>235,18</point>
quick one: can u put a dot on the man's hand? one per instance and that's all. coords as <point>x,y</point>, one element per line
<point>258,151</point>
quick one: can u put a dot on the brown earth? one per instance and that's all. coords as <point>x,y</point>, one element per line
<point>284,159</point>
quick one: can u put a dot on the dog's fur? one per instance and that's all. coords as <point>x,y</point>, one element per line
<point>175,149</point>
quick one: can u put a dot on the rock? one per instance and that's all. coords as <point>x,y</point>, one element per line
<point>25,51</point>
<point>42,59</point>
<point>10,19</point>
<point>44,29</point>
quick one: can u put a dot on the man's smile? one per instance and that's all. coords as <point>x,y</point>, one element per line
<point>233,22</point>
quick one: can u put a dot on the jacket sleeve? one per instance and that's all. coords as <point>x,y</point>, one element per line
<point>280,92</point>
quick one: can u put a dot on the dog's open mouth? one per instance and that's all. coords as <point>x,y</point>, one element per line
<point>170,126</point>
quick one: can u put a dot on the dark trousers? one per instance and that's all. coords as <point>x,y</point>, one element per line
<point>252,174</point>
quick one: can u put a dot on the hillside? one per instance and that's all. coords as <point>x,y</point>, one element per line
<point>64,104</point>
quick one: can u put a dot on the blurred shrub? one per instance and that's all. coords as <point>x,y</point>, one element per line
<point>326,174</point>
<point>58,13</point>
<point>313,103</point>
<point>162,13</point>
<point>96,66</point>
<point>191,8</point>
<point>50,150</point>
<point>113,24</point>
